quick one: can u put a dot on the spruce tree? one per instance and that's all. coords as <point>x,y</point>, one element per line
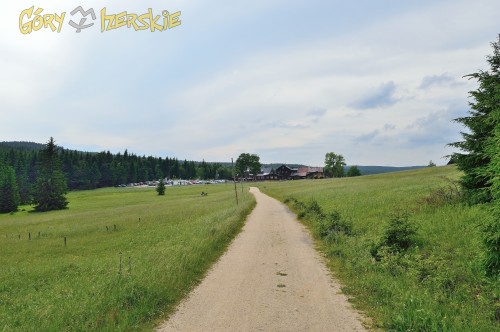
<point>481,164</point>
<point>9,193</point>
<point>492,228</point>
<point>23,180</point>
<point>51,186</point>
<point>481,123</point>
<point>160,188</point>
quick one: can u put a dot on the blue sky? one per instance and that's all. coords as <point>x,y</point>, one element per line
<point>376,81</point>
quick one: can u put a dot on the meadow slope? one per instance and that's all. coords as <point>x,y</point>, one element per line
<point>130,256</point>
<point>437,284</point>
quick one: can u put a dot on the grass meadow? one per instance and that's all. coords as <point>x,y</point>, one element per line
<point>130,256</point>
<point>437,284</point>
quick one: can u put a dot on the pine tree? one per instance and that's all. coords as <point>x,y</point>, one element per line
<point>481,165</point>
<point>23,180</point>
<point>492,228</point>
<point>51,186</point>
<point>9,193</point>
<point>491,238</point>
<point>481,123</point>
<point>160,188</point>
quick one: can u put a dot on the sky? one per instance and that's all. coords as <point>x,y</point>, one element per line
<point>376,81</point>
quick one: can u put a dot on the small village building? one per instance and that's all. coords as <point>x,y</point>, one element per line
<point>285,173</point>
<point>267,174</point>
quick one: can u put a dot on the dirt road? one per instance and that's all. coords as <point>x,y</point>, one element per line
<point>270,279</point>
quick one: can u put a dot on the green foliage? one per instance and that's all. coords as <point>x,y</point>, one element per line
<point>86,170</point>
<point>353,171</point>
<point>491,229</point>
<point>400,232</point>
<point>491,241</point>
<point>330,227</point>
<point>446,195</point>
<point>481,125</point>
<point>50,188</point>
<point>248,164</point>
<point>431,164</point>
<point>160,188</point>
<point>334,165</point>
<point>398,237</point>
<point>481,165</point>
<point>9,193</point>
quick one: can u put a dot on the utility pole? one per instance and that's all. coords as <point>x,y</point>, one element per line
<point>234,180</point>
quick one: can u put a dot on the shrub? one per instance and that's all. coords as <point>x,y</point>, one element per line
<point>447,195</point>
<point>332,226</point>
<point>313,209</point>
<point>400,232</point>
<point>398,237</point>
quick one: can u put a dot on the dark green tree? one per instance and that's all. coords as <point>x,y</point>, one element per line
<point>23,180</point>
<point>248,164</point>
<point>481,160</point>
<point>94,175</point>
<point>160,188</point>
<point>492,228</point>
<point>9,193</point>
<point>51,186</point>
<point>353,171</point>
<point>481,123</point>
<point>158,172</point>
<point>334,165</point>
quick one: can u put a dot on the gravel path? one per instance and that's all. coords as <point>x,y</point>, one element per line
<point>270,279</point>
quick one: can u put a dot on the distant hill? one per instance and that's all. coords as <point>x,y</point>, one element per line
<point>22,145</point>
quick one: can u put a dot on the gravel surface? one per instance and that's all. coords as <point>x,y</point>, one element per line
<point>270,279</point>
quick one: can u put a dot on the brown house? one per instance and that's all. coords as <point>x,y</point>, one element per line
<point>309,173</point>
<point>267,174</point>
<point>285,173</point>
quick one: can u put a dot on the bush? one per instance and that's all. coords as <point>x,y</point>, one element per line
<point>398,237</point>
<point>310,210</point>
<point>400,232</point>
<point>447,195</point>
<point>329,227</point>
<point>313,209</point>
<point>332,226</point>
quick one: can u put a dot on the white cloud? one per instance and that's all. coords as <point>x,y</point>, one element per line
<point>221,86</point>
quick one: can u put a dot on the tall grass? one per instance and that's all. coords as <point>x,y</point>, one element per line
<point>434,282</point>
<point>130,256</point>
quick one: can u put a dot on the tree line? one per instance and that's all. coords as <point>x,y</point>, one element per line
<point>21,165</point>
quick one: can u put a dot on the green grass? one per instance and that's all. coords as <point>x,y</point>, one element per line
<point>437,284</point>
<point>47,286</point>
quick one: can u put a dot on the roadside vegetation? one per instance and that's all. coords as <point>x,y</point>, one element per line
<point>116,260</point>
<point>405,247</point>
